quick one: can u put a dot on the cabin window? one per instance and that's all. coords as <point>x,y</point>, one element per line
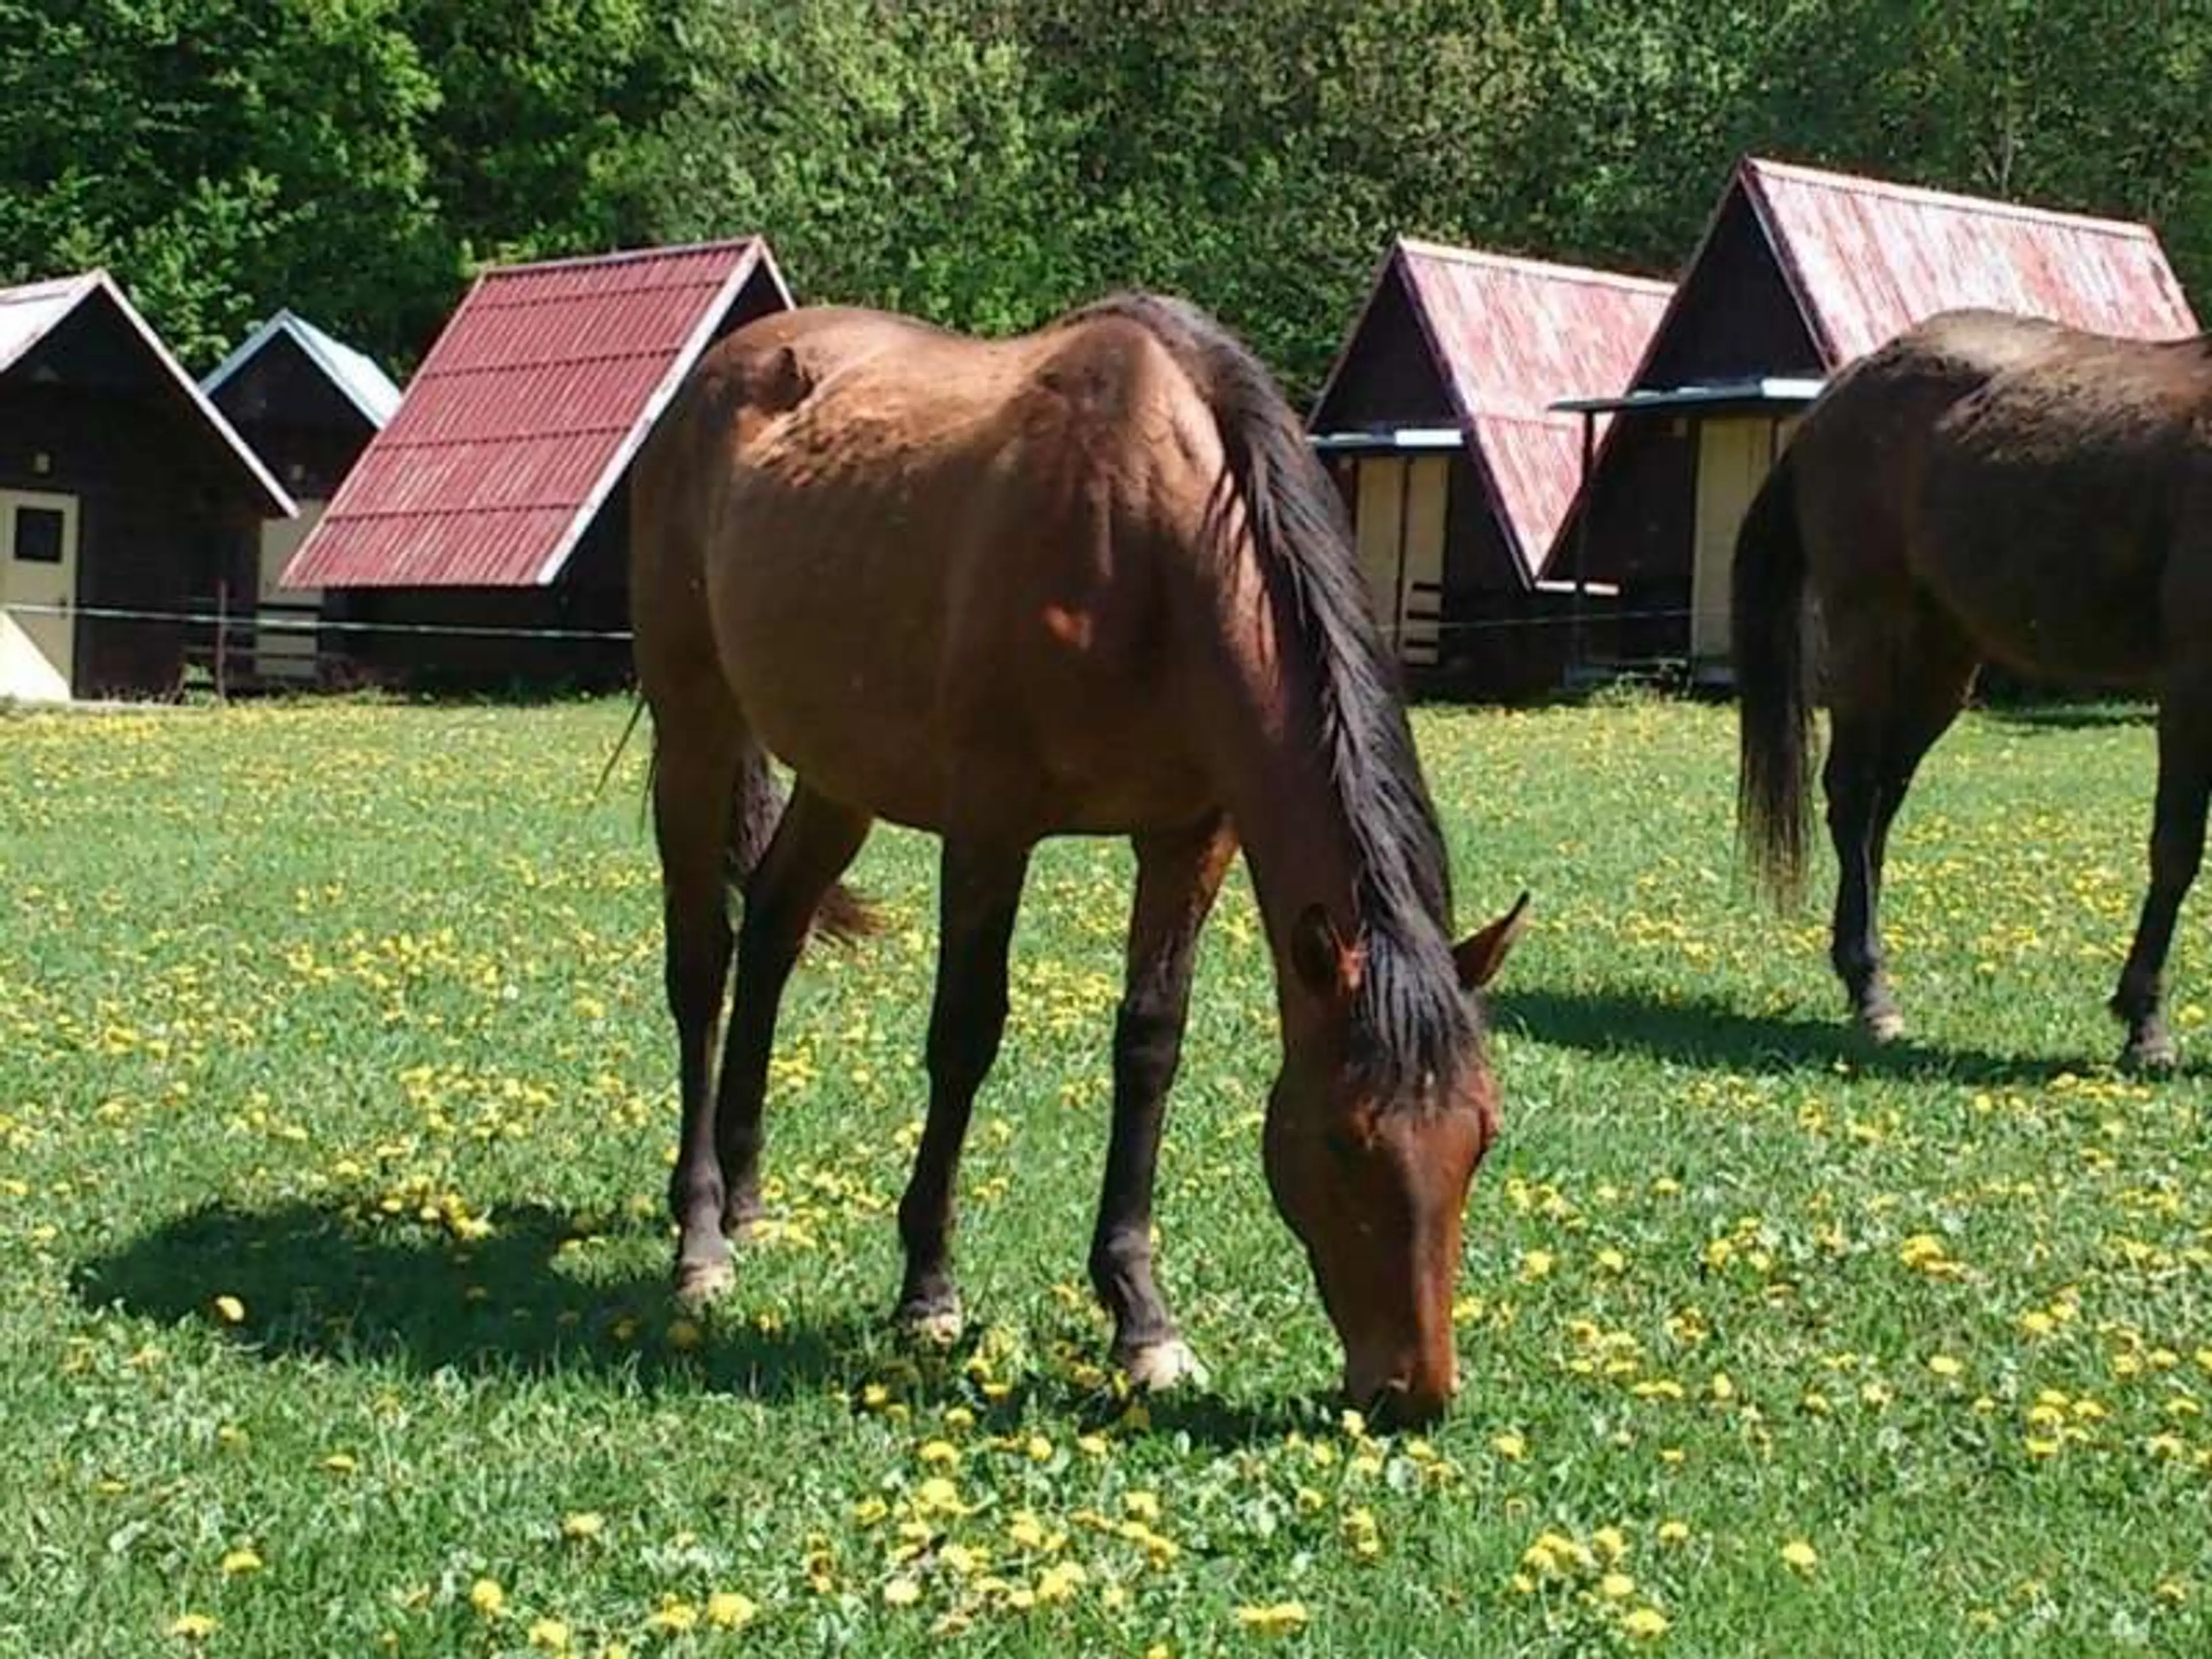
<point>38,534</point>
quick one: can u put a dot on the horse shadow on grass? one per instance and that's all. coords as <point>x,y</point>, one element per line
<point>327,1284</point>
<point>1705,1031</point>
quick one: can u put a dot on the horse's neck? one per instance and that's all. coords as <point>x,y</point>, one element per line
<point>1272,762</point>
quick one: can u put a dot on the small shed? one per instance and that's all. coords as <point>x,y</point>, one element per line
<point>482,539</point>
<point>1799,272</point>
<point>125,498</point>
<point>309,404</point>
<point>1435,420</point>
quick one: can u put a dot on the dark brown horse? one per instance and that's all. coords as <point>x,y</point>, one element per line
<point>1984,487</point>
<point>1089,581</point>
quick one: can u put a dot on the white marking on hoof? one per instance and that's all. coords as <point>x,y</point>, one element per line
<point>2159,1055</point>
<point>1161,1366</point>
<point>935,1327</point>
<point>1885,1026</point>
<point>698,1283</point>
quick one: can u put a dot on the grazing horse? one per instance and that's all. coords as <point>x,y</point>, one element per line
<point>1984,487</point>
<point>1087,580</point>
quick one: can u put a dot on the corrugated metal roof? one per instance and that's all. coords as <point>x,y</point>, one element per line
<point>30,312</point>
<point>1509,336</point>
<point>1867,259</point>
<point>358,378</point>
<point>523,418</point>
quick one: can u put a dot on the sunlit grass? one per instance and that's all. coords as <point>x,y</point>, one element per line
<point>334,1110</point>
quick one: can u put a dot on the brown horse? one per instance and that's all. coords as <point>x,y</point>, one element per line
<point>1983,487</point>
<point>1088,581</point>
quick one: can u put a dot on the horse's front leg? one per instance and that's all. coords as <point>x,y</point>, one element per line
<point>2177,848</point>
<point>1177,876</point>
<point>979,893</point>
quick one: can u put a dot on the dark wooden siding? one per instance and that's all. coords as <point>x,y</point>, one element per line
<point>1735,317</point>
<point>158,528</point>
<point>1388,377</point>
<point>305,431</point>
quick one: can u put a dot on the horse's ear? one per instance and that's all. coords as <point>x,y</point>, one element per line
<point>1325,966</point>
<point>1479,956</point>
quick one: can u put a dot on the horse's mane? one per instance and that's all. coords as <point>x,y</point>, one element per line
<point>1411,1023</point>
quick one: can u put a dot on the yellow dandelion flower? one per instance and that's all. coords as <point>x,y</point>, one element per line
<point>942,1453</point>
<point>1945,1366</point>
<point>1610,1543</point>
<point>488,1598</point>
<point>728,1610</point>
<point>1537,1264</point>
<point>1616,1587</point>
<point>1801,1555</point>
<point>1673,1532</point>
<point>582,1524</point>
<point>1060,1581</point>
<point>1509,1446</point>
<point>230,1309</point>
<point>341,1463</point>
<point>2173,1590</point>
<point>938,1495</point>
<point>1274,1619</point>
<point>549,1635</point>
<point>1612,1261</point>
<point>241,1560</point>
<point>870,1510</point>
<point>192,1626</point>
<point>1644,1625</point>
<point>1038,1450</point>
<point>902,1593</point>
<point>674,1616</point>
<point>1144,1505</point>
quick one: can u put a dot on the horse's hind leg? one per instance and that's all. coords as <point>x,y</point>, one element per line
<point>696,752</point>
<point>814,843</point>
<point>980,892</point>
<point>1177,876</point>
<point>1885,721</point>
<point>2177,848</point>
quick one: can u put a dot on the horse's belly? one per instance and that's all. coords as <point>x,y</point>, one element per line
<point>1016,736</point>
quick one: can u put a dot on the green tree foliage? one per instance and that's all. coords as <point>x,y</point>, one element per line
<point>990,162</point>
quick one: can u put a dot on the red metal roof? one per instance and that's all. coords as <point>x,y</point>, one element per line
<point>524,417</point>
<point>1509,336</point>
<point>1867,260</point>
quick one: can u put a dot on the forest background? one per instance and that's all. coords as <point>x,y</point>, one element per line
<point>988,163</point>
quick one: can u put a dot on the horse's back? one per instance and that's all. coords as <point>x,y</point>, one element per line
<point>922,555</point>
<point>2028,477</point>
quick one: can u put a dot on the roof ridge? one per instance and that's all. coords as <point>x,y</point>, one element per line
<point>1985,206</point>
<point>1421,247</point>
<point>621,255</point>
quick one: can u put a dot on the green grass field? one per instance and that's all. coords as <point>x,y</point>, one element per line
<point>335,1109</point>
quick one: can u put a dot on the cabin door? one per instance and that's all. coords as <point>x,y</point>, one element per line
<point>1401,516</point>
<point>284,634</point>
<point>1734,457</point>
<point>38,595</point>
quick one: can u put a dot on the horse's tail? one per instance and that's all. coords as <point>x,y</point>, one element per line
<point>1773,689</point>
<point>844,914</point>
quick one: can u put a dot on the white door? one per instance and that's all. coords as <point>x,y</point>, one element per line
<point>38,594</point>
<point>283,646</point>
<point>1421,593</point>
<point>1733,459</point>
<point>1401,550</point>
<point>1381,529</point>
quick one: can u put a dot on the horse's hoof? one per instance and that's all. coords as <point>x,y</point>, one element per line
<point>2151,1056</point>
<point>931,1324</point>
<point>698,1283</point>
<point>1883,1025</point>
<point>1158,1366</point>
